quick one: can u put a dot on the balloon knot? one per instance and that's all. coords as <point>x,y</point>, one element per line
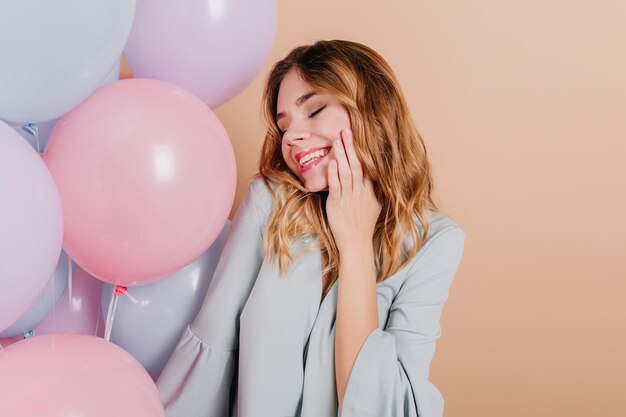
<point>30,128</point>
<point>120,290</point>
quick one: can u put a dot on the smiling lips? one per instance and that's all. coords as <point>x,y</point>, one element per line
<point>311,157</point>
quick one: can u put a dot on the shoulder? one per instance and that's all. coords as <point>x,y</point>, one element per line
<point>261,197</point>
<point>438,224</point>
<point>441,223</point>
<point>444,243</point>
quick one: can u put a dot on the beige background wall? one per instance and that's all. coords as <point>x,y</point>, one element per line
<point>523,108</point>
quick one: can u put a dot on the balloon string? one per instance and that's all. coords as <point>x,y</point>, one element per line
<point>69,281</point>
<point>110,313</point>
<point>121,290</point>
<point>33,130</point>
<point>54,304</point>
<point>95,333</point>
<point>37,139</point>
<point>117,292</point>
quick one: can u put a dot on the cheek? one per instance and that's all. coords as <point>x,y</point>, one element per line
<point>285,150</point>
<point>287,158</point>
<point>345,119</point>
<point>336,121</point>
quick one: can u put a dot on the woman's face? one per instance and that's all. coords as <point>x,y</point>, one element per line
<point>309,121</point>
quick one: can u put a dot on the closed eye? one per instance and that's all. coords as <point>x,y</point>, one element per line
<point>317,111</point>
<point>282,132</point>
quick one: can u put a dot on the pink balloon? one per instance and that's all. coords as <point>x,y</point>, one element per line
<point>31,226</point>
<point>82,313</point>
<point>146,175</point>
<point>61,375</point>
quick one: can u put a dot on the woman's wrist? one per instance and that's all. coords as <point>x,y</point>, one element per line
<point>357,251</point>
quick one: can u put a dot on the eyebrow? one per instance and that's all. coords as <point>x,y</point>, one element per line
<point>299,102</point>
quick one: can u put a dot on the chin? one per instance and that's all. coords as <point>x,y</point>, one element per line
<point>316,184</point>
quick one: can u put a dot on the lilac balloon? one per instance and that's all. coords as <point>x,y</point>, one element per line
<point>31,225</point>
<point>150,329</point>
<point>214,49</point>
<point>81,314</point>
<point>44,304</point>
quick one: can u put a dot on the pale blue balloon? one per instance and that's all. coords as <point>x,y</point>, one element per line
<point>56,53</point>
<point>37,134</point>
<point>150,329</point>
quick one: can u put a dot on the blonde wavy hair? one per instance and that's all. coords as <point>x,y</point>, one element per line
<point>386,140</point>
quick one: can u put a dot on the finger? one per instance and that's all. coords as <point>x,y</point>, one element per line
<point>368,184</point>
<point>368,179</point>
<point>334,187</point>
<point>345,176</point>
<point>353,159</point>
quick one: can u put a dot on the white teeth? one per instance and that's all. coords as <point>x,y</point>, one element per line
<point>309,158</point>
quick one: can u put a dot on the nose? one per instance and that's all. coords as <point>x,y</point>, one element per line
<point>296,134</point>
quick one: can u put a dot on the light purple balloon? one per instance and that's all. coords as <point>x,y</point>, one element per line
<point>214,49</point>
<point>44,304</point>
<point>150,329</point>
<point>31,226</point>
<point>81,314</point>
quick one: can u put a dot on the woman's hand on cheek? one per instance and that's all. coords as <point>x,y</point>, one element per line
<point>352,208</point>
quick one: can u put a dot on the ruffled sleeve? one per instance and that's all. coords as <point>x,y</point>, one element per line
<point>197,378</point>
<point>390,376</point>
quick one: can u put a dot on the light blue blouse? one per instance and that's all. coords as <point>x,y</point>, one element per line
<point>263,346</point>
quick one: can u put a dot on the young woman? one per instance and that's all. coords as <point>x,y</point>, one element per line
<point>327,297</point>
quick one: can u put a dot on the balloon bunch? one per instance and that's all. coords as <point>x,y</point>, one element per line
<point>114,194</point>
